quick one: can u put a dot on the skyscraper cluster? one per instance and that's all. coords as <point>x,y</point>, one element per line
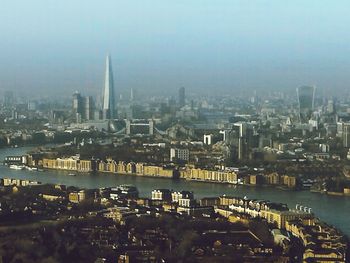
<point>84,106</point>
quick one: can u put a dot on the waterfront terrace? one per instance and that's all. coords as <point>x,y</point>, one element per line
<point>74,163</point>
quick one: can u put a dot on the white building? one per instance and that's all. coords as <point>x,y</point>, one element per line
<point>207,139</point>
<point>161,194</point>
<point>346,135</point>
<point>179,154</point>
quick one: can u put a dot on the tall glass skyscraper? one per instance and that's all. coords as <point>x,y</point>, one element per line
<point>108,105</point>
<point>306,97</point>
<point>181,100</point>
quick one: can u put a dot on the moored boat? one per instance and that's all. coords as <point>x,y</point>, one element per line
<point>16,167</point>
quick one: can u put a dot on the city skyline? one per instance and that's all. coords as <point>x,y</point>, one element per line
<point>219,131</point>
<point>229,46</point>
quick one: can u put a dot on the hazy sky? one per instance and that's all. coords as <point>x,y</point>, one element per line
<point>57,46</point>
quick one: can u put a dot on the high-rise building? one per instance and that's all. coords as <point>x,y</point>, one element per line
<point>346,135</point>
<point>88,108</point>
<point>331,106</point>
<point>132,95</point>
<point>306,96</point>
<point>77,106</point>
<point>9,99</point>
<point>181,97</point>
<point>77,102</point>
<point>247,139</point>
<point>83,107</point>
<point>108,105</point>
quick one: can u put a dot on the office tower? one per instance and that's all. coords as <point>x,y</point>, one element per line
<point>9,99</point>
<point>306,97</point>
<point>247,139</point>
<point>181,97</point>
<point>77,106</point>
<point>331,106</point>
<point>83,107</point>
<point>88,108</point>
<point>32,105</point>
<point>241,129</point>
<point>132,95</point>
<point>108,105</point>
<point>346,135</point>
<point>77,102</point>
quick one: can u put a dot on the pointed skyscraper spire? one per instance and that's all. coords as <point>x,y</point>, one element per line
<point>108,105</point>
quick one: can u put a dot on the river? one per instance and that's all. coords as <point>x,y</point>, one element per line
<point>334,210</point>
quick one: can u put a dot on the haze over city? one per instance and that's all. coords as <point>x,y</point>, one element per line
<point>57,47</point>
<point>174,131</point>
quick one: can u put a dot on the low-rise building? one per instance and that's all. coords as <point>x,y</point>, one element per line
<point>161,195</point>
<point>177,195</point>
<point>52,197</point>
<point>322,243</point>
<point>77,196</point>
<point>280,218</point>
<point>219,176</point>
<point>209,201</point>
<point>72,164</point>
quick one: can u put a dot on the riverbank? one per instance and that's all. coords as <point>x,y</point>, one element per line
<point>332,209</point>
<point>331,193</point>
<point>221,175</point>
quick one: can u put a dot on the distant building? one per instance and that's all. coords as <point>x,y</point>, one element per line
<point>9,99</point>
<point>247,139</point>
<point>108,105</point>
<point>306,96</point>
<point>340,128</point>
<point>331,106</point>
<point>346,135</point>
<point>32,105</point>
<point>178,154</point>
<point>88,108</point>
<point>83,107</point>
<point>182,99</point>
<point>139,127</point>
<point>207,139</point>
<point>132,95</point>
<point>77,105</point>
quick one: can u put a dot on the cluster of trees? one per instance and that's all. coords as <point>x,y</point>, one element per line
<point>185,237</point>
<point>121,152</point>
<point>337,184</point>
<point>53,243</point>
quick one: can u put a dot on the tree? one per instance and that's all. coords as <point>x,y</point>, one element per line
<point>189,239</point>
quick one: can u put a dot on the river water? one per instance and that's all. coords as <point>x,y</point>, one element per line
<point>334,210</point>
